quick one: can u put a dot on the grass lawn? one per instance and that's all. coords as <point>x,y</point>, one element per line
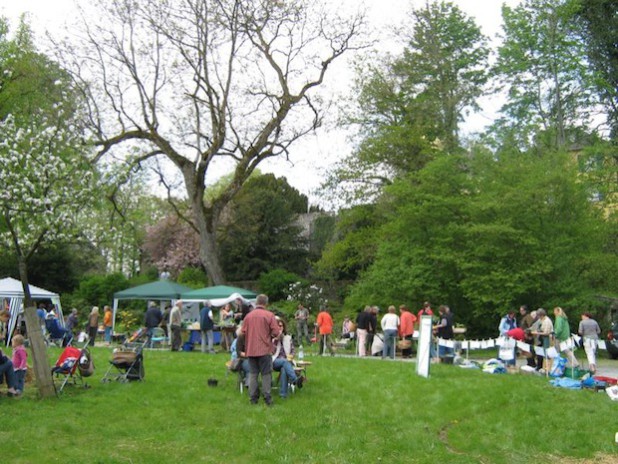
<point>350,411</point>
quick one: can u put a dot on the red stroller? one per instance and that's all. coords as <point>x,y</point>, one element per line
<point>73,365</point>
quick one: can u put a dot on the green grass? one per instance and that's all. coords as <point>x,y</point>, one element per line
<point>350,411</point>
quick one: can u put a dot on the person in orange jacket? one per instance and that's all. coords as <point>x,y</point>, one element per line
<point>325,326</point>
<point>406,329</point>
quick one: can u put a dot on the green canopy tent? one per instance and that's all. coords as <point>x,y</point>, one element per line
<point>161,290</point>
<point>218,295</point>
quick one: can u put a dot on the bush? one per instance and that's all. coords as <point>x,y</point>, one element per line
<point>193,277</point>
<point>129,320</point>
<point>312,296</point>
<point>99,290</point>
<point>275,283</point>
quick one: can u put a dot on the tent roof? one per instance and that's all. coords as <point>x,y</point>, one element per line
<point>217,292</point>
<point>12,288</point>
<point>159,290</point>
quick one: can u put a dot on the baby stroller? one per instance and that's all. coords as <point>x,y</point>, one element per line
<point>127,362</point>
<point>73,365</point>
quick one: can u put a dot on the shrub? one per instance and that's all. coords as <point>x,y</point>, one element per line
<point>99,290</point>
<point>276,283</point>
<point>312,296</point>
<point>193,277</point>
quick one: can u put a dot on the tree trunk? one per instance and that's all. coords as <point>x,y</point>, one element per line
<point>42,371</point>
<point>210,257</point>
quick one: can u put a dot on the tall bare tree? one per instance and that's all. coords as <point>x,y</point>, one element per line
<point>205,83</point>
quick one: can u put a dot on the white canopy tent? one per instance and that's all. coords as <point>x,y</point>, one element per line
<point>11,290</point>
<point>217,302</point>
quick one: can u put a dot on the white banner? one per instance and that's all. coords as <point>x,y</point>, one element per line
<point>571,343</point>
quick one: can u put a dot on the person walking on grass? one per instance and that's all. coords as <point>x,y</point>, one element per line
<point>363,322</point>
<point>259,329</point>
<point>108,324</point>
<point>152,319</point>
<point>589,330</point>
<point>406,329</point>
<point>176,325</point>
<point>20,365</point>
<point>563,333</point>
<point>301,317</point>
<point>544,331</point>
<point>325,328</point>
<point>390,326</point>
<point>93,325</point>
<point>207,325</point>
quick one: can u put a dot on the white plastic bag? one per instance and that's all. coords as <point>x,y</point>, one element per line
<point>612,392</point>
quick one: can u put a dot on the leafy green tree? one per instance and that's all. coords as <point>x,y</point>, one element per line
<point>193,277</point>
<point>261,232</point>
<point>600,31</point>
<point>276,283</point>
<point>411,107</point>
<point>321,234</point>
<point>485,233</point>
<point>98,290</point>
<point>542,67</point>
<point>353,246</point>
<point>57,266</point>
<point>30,82</point>
<point>444,68</point>
<point>119,221</point>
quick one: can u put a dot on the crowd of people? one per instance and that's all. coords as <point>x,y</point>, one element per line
<point>400,327</point>
<point>538,330</point>
<point>264,344</point>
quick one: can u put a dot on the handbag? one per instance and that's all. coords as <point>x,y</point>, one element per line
<point>404,344</point>
<point>235,364</point>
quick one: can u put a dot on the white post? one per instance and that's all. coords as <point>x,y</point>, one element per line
<point>423,359</point>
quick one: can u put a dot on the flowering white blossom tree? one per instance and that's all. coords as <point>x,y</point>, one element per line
<point>45,181</point>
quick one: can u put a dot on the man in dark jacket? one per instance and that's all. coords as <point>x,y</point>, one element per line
<point>207,325</point>
<point>363,323</point>
<point>152,319</point>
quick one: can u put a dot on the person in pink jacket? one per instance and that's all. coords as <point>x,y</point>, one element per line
<point>20,366</point>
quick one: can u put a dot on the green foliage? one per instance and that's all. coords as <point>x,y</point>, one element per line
<point>411,106</point>
<point>285,309</point>
<point>147,275</point>
<point>541,66</point>
<point>123,217</point>
<point>444,68</point>
<point>600,32</point>
<point>99,290</point>
<point>276,283</point>
<point>193,277</point>
<point>353,246</point>
<point>261,232</point>
<point>484,235</point>
<point>129,320</point>
<point>30,83</point>
<point>56,266</point>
